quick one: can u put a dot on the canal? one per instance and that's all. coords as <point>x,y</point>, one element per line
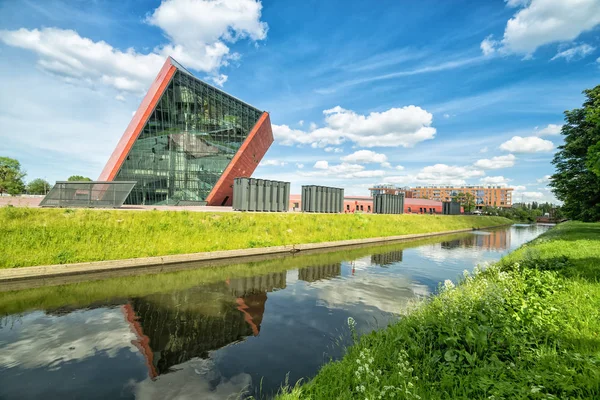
<point>214,333</point>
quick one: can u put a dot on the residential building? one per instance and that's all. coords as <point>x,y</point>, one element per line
<point>187,142</point>
<point>492,196</point>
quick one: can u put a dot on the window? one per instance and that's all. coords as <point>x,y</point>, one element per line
<point>348,207</point>
<point>369,208</point>
<point>361,208</point>
<point>409,210</point>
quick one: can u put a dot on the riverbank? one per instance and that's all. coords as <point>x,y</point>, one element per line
<point>33,237</point>
<point>526,327</point>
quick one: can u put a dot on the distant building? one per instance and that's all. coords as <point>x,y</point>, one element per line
<point>187,142</point>
<point>485,196</point>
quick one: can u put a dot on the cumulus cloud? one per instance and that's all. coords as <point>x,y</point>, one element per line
<point>530,144</point>
<point>274,163</point>
<point>333,149</point>
<point>495,180</point>
<point>442,174</point>
<point>367,157</point>
<point>496,162</point>
<point>540,22</point>
<point>399,167</point>
<point>545,179</point>
<point>321,165</point>
<point>532,195</point>
<point>343,170</point>
<point>198,31</point>
<point>575,53</point>
<point>550,130</point>
<point>300,166</point>
<point>395,127</point>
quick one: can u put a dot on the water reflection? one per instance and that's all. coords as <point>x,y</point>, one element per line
<point>236,334</point>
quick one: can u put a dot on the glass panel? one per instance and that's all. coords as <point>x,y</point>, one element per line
<point>186,144</point>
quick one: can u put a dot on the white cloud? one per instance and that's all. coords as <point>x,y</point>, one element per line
<point>300,166</point>
<point>495,180</point>
<point>442,174</point>
<point>532,195</point>
<point>275,163</point>
<point>312,126</point>
<point>545,179</point>
<point>367,157</point>
<point>489,46</point>
<point>496,162</point>
<point>321,165</point>
<point>519,188</point>
<point>446,116</point>
<point>484,150</point>
<point>333,149</point>
<point>530,144</point>
<point>395,127</point>
<point>197,30</point>
<point>301,122</point>
<point>540,22</point>
<point>343,170</point>
<point>575,53</point>
<point>550,130</point>
<point>120,97</point>
<point>399,167</point>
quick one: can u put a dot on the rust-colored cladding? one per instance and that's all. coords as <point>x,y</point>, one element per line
<point>244,162</point>
<point>138,121</point>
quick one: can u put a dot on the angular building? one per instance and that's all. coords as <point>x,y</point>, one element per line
<point>187,142</point>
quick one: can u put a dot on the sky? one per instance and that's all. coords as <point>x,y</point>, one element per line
<point>359,93</point>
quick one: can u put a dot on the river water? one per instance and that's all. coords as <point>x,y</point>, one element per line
<point>215,333</point>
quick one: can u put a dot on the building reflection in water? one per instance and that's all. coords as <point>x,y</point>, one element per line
<point>175,327</point>
<point>387,259</point>
<point>493,240</point>
<point>320,272</point>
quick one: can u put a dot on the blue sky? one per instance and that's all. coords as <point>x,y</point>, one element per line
<point>409,93</point>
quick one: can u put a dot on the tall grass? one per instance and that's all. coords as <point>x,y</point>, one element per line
<point>55,236</point>
<point>528,327</point>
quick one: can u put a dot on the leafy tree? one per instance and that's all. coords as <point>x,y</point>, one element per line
<point>38,186</point>
<point>467,200</point>
<point>593,162</point>
<point>80,178</point>
<point>574,182</point>
<point>11,176</point>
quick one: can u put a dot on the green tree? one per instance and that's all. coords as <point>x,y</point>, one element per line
<point>38,186</point>
<point>11,176</point>
<point>574,182</point>
<point>467,200</point>
<point>593,155</point>
<point>78,178</point>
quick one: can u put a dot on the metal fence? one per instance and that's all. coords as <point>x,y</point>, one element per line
<point>450,208</point>
<point>388,204</point>
<point>250,194</point>
<point>322,199</point>
<point>94,194</point>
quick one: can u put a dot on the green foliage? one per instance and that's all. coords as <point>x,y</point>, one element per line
<point>524,212</point>
<point>467,200</point>
<point>51,236</point>
<point>593,155</point>
<point>504,333</point>
<point>78,178</point>
<point>38,186</point>
<point>11,176</point>
<point>575,181</point>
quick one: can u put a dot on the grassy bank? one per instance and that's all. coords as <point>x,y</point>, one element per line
<point>84,294</point>
<point>528,327</point>
<point>30,236</point>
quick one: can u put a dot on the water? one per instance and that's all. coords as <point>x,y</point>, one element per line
<point>209,334</point>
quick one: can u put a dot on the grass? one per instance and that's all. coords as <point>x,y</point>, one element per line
<point>527,327</point>
<point>84,294</point>
<point>32,236</point>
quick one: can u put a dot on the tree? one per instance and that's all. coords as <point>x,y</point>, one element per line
<point>574,182</point>
<point>11,176</point>
<point>593,155</point>
<point>38,186</point>
<point>467,200</point>
<point>78,178</point>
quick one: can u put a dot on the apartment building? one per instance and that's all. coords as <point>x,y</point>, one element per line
<point>494,196</point>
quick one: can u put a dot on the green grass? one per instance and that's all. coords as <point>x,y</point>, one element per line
<point>83,294</point>
<point>527,327</point>
<point>31,236</point>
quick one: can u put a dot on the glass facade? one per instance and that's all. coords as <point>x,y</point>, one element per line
<point>186,144</point>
